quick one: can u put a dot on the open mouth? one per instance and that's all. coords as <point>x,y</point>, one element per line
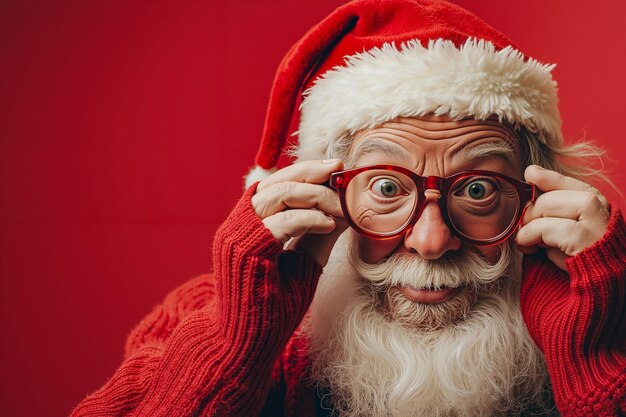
<point>433,295</point>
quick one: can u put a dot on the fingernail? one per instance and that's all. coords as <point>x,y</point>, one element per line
<point>540,168</point>
<point>330,161</point>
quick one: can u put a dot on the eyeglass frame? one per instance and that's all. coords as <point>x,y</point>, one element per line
<point>527,194</point>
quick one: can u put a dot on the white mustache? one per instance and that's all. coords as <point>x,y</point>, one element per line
<point>461,268</point>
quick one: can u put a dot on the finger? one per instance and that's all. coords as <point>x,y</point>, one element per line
<point>292,223</point>
<point>548,180</point>
<point>296,195</point>
<point>528,250</point>
<point>312,172</point>
<point>557,257</point>
<point>319,246</point>
<point>564,234</point>
<point>566,204</point>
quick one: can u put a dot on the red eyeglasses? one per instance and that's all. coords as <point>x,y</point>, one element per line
<point>480,207</point>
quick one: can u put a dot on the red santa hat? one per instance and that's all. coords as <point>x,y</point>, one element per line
<point>372,61</point>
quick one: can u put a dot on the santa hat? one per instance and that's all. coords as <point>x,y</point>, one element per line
<point>372,61</point>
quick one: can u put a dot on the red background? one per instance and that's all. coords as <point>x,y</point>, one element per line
<point>125,130</point>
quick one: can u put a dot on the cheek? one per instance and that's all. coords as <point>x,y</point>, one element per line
<point>373,251</point>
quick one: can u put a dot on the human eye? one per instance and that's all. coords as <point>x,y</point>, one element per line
<point>387,188</point>
<point>476,189</point>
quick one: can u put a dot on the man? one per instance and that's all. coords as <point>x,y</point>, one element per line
<point>419,181</point>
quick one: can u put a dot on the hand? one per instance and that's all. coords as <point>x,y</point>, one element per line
<point>569,217</point>
<point>292,203</point>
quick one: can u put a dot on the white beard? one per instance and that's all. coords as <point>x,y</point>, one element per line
<point>374,363</point>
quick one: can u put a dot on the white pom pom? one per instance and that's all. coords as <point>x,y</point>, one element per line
<point>257,174</point>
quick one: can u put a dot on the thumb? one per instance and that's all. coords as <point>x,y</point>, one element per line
<point>319,246</point>
<point>557,257</point>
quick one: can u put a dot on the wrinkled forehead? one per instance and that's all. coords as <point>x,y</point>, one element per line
<point>438,137</point>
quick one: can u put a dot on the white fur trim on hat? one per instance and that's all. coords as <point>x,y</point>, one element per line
<point>258,174</point>
<point>381,84</point>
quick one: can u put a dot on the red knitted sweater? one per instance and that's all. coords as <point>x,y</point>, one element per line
<point>223,344</point>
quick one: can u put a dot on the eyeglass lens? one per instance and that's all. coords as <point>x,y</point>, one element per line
<point>480,207</point>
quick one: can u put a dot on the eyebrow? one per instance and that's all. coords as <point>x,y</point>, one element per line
<point>489,149</point>
<point>373,145</point>
<point>470,152</point>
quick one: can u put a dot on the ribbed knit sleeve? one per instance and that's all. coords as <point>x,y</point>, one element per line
<point>217,359</point>
<point>579,321</point>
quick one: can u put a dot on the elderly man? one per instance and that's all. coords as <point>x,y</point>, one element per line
<point>429,160</point>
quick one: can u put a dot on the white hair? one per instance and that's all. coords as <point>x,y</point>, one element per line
<point>379,357</point>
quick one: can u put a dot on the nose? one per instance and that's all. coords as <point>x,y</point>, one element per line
<point>430,237</point>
